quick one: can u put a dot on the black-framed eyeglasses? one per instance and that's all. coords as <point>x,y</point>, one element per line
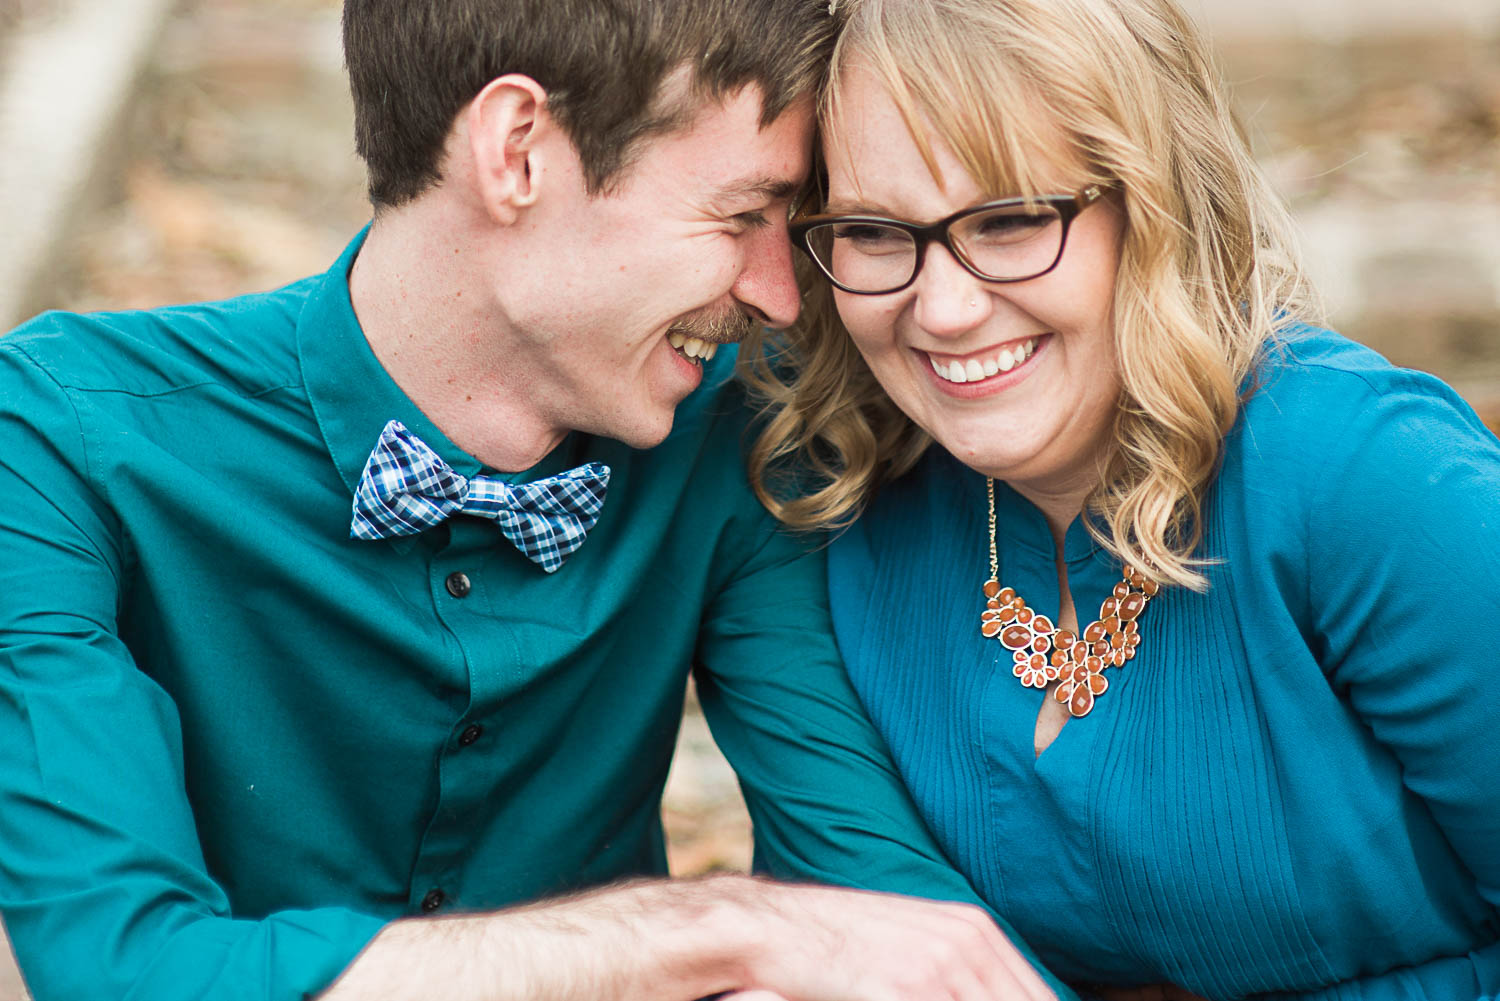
<point>1011,240</point>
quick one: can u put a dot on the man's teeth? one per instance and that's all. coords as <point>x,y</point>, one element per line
<point>692,347</point>
<point>973,370</point>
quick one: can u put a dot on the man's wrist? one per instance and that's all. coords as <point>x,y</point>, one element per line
<point>748,927</point>
<point>706,931</point>
<point>684,938</point>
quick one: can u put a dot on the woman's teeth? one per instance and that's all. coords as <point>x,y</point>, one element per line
<point>973,370</point>
<point>692,347</point>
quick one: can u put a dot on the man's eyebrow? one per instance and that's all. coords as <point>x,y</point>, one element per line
<point>770,188</point>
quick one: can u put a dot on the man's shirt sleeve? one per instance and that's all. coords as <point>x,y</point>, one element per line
<point>827,803</point>
<point>103,884</point>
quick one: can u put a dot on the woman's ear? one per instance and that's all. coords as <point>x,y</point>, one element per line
<point>505,121</point>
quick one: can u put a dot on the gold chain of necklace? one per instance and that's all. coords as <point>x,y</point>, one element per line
<point>1044,653</point>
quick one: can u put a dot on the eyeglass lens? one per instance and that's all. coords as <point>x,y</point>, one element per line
<point>1004,243</point>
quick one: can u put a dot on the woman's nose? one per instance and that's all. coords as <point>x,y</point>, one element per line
<point>949,300</point>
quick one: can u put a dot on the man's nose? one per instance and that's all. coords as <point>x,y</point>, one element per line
<point>767,286</point>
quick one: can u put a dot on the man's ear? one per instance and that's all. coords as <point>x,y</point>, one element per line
<point>505,122</point>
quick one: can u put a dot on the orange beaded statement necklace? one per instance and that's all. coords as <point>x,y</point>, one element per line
<point>1044,653</point>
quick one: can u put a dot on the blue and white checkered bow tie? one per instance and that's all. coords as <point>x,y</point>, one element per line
<point>408,488</point>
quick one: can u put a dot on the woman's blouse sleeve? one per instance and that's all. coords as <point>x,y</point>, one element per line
<point>1404,595</point>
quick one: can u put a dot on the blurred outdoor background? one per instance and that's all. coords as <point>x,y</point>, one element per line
<point>157,151</point>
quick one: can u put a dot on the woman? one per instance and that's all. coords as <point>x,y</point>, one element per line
<point>1179,614</point>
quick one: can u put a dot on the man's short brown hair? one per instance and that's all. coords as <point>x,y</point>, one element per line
<point>413,64</point>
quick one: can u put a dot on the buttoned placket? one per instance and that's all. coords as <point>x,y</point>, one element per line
<point>466,766</point>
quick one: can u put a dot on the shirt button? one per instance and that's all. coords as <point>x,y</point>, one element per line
<point>458,585</point>
<point>471,733</point>
<point>433,900</point>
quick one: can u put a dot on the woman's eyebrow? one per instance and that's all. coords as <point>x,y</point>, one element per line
<point>840,206</point>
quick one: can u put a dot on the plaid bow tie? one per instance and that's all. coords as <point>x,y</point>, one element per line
<point>408,488</point>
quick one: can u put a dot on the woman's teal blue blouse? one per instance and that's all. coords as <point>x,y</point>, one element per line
<point>1295,787</point>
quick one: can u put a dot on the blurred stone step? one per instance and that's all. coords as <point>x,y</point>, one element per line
<point>65,78</point>
<point>11,988</point>
<point>1417,281</point>
<point>1342,20</point>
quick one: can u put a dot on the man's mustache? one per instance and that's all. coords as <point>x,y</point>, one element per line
<point>728,327</point>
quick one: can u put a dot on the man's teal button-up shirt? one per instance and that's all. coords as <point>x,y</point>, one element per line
<point>232,739</point>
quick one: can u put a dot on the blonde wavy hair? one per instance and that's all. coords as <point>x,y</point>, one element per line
<point>1208,268</point>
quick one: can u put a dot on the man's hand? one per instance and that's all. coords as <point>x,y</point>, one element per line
<point>825,944</point>
<point>686,939</point>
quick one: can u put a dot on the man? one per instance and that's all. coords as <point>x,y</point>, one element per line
<point>318,652</point>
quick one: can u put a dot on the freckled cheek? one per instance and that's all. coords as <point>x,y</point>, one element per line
<point>867,338</point>
<point>869,320</point>
<point>707,277</point>
<point>721,278</point>
<point>888,359</point>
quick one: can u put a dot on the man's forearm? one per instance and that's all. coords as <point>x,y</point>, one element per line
<point>686,939</point>
<point>659,940</point>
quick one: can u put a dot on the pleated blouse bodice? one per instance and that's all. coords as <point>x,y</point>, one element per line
<point>1295,786</point>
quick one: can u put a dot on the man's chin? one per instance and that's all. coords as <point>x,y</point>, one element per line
<point>647,418</point>
<point>643,438</point>
<point>649,429</point>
